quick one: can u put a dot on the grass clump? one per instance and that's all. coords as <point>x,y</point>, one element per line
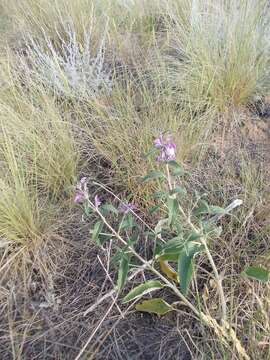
<point>123,135</point>
<point>19,207</point>
<point>46,142</point>
<point>221,53</point>
<point>37,18</point>
<point>27,219</point>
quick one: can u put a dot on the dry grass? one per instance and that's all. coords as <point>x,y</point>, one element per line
<point>44,134</point>
<point>221,53</point>
<point>187,67</point>
<point>122,128</point>
<point>37,18</point>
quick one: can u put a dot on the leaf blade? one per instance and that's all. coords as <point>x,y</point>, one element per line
<point>97,230</point>
<point>142,289</point>
<point>109,208</point>
<point>154,306</point>
<point>173,209</point>
<point>166,268</point>
<point>154,174</point>
<point>185,270</point>
<point>258,273</point>
<point>122,272</point>
<point>177,169</point>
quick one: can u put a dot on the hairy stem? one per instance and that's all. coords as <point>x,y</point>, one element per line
<point>146,263</point>
<point>208,253</point>
<point>208,320</point>
<point>169,177</point>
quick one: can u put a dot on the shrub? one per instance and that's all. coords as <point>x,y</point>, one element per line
<point>71,68</point>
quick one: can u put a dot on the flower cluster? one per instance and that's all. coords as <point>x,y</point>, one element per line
<point>126,208</point>
<point>97,201</point>
<point>81,191</point>
<point>166,147</point>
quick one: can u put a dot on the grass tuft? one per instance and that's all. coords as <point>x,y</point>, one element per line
<point>221,53</point>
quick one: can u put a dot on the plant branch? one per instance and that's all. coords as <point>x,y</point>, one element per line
<point>146,263</point>
<point>208,253</point>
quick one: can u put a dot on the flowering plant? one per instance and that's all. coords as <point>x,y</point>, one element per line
<point>178,238</point>
<point>167,148</point>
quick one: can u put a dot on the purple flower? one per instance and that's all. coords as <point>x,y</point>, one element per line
<point>97,201</point>
<point>83,181</point>
<point>125,208</point>
<point>79,197</point>
<point>158,142</point>
<point>81,191</point>
<point>167,148</point>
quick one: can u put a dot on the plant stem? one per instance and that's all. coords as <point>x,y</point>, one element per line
<point>208,320</point>
<point>169,177</point>
<point>211,260</point>
<point>208,253</point>
<point>147,264</point>
<point>219,282</point>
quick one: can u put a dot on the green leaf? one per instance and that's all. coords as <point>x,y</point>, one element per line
<point>154,174</point>
<point>178,190</point>
<point>87,209</point>
<point>133,238</point>
<point>185,270</point>
<point>102,238</point>
<point>117,257</point>
<point>128,222</point>
<point>154,306</point>
<point>193,236</point>
<point>173,209</point>
<point>153,209</point>
<point>122,272</point>
<point>107,208</point>
<point>169,257</point>
<point>192,248</point>
<point>178,228</point>
<point>174,164</point>
<point>163,223</point>
<point>142,289</point>
<point>97,230</point>
<point>185,263</point>
<point>178,170</point>
<point>216,210</point>
<point>210,229</point>
<point>204,208</point>
<point>160,194</point>
<point>258,273</point>
<point>157,248</point>
<point>174,245</point>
